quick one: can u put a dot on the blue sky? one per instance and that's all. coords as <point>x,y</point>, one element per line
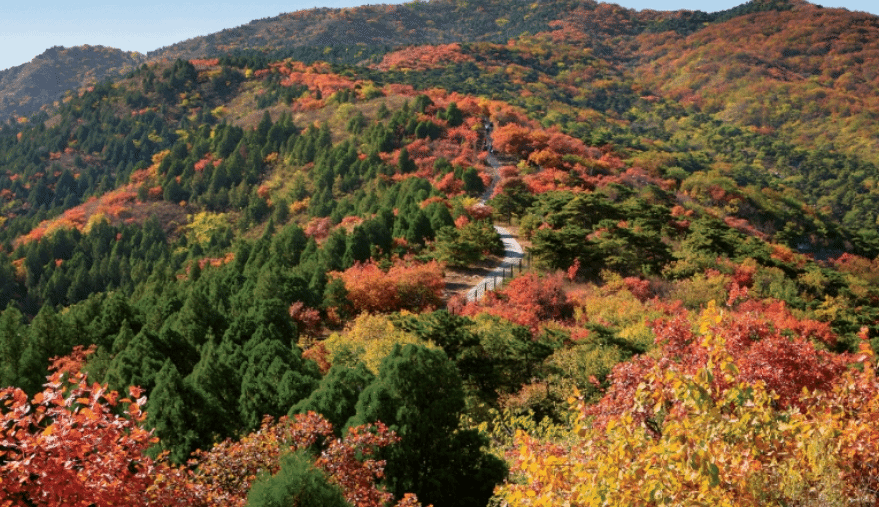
<point>28,27</point>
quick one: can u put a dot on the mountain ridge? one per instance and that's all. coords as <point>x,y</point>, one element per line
<point>27,88</point>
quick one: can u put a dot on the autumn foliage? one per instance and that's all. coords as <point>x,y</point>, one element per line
<point>224,475</point>
<point>423,57</point>
<point>405,285</point>
<point>529,300</point>
<point>734,412</point>
<point>67,446</point>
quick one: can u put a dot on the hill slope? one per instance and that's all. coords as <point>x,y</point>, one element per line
<point>257,234</point>
<point>26,88</point>
<point>374,29</point>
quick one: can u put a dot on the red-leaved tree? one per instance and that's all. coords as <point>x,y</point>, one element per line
<point>68,446</point>
<point>528,300</point>
<point>406,285</point>
<point>224,475</point>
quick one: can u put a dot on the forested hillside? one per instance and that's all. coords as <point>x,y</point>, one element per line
<point>350,35</point>
<point>260,245</point>
<point>42,82</point>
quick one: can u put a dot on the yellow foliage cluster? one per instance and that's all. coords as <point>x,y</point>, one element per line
<point>370,338</point>
<point>94,220</point>
<point>707,445</point>
<point>202,226</point>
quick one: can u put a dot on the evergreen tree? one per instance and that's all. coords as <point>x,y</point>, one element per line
<point>405,163</point>
<point>46,338</point>
<point>216,380</point>
<point>169,411</point>
<point>336,396</point>
<point>115,310</point>
<point>288,245</point>
<point>198,317</point>
<point>11,346</point>
<point>260,135</point>
<point>297,483</point>
<point>123,338</point>
<point>439,216</point>
<point>453,115</point>
<point>420,229</point>
<point>137,365</point>
<point>473,184</point>
<point>379,235</point>
<point>332,254</point>
<point>357,249</point>
<point>176,348</point>
<point>274,376</point>
<point>418,393</point>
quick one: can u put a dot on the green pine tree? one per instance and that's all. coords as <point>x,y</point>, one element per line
<point>298,483</point>
<point>11,346</point>
<point>418,393</point>
<point>169,411</point>
<point>274,376</point>
<point>336,396</point>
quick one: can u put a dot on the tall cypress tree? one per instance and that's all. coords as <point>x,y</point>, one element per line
<point>46,338</point>
<point>336,396</point>
<point>216,380</point>
<point>11,346</point>
<point>136,365</point>
<point>357,249</point>
<point>169,411</point>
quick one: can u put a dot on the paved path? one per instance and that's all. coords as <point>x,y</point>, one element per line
<point>512,257</point>
<point>512,249</point>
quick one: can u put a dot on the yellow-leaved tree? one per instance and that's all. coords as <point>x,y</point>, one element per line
<point>701,428</point>
<point>369,338</point>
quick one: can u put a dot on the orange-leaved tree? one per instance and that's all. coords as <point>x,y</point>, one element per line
<point>69,445</point>
<point>406,285</point>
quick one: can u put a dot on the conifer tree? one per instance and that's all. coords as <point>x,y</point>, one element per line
<point>405,163</point>
<point>336,396</point>
<point>420,229</point>
<point>274,376</point>
<point>170,412</point>
<point>136,365</point>
<point>216,380</point>
<point>123,338</point>
<point>418,394</point>
<point>11,346</point>
<point>298,482</point>
<point>357,249</point>
<point>46,337</point>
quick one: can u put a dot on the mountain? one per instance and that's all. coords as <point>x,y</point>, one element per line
<point>26,88</point>
<point>373,29</point>
<point>281,229</point>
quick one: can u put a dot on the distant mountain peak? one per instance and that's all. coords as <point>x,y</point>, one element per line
<point>26,88</point>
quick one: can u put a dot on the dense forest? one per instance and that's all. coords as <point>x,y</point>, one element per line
<point>233,277</point>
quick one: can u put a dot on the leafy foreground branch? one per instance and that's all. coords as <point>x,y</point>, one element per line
<point>80,444</point>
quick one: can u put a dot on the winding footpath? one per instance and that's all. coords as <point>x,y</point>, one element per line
<point>513,253</point>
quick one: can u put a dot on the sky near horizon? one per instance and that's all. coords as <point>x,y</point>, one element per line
<point>27,28</point>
